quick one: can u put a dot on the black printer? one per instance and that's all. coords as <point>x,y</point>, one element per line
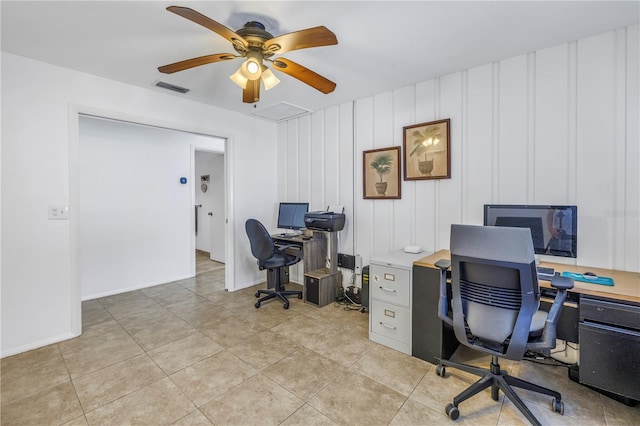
<point>324,221</point>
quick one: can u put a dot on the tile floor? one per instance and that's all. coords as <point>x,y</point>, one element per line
<point>190,353</point>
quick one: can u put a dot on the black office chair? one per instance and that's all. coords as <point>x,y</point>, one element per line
<point>271,258</point>
<point>494,304</point>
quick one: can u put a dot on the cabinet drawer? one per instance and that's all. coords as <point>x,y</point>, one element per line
<point>618,314</point>
<point>390,284</point>
<point>610,359</point>
<point>390,321</point>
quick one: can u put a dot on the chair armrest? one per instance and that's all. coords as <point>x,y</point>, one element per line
<point>296,255</point>
<point>443,263</point>
<point>443,307</point>
<point>548,340</point>
<point>288,246</point>
<point>561,282</point>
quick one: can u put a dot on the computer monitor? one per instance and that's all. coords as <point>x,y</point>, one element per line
<point>291,215</point>
<point>553,228</point>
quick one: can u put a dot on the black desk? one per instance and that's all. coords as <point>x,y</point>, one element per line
<point>604,320</point>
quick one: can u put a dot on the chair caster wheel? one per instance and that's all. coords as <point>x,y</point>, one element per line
<point>300,296</point>
<point>452,411</point>
<point>441,370</point>
<point>257,294</point>
<point>557,406</point>
<point>257,305</point>
<point>286,306</point>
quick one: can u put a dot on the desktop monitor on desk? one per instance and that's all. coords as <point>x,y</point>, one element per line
<point>553,228</point>
<point>291,215</point>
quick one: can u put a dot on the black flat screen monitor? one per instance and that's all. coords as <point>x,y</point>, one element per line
<point>553,228</point>
<point>291,215</point>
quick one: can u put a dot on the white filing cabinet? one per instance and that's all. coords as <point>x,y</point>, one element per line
<point>390,299</point>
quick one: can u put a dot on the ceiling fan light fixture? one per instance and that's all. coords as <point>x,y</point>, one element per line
<point>269,79</point>
<point>239,78</point>
<point>252,67</point>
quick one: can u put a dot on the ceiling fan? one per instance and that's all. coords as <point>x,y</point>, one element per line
<point>257,45</point>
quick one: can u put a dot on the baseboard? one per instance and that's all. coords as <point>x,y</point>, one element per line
<point>38,344</point>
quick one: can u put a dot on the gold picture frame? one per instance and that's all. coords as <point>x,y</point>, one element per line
<point>381,173</point>
<point>427,150</point>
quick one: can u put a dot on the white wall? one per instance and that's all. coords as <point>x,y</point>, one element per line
<point>135,217</point>
<point>556,126</point>
<point>39,163</point>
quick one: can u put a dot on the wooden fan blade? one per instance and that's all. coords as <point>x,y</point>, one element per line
<point>195,62</point>
<point>209,23</point>
<point>312,37</point>
<point>304,74</point>
<point>251,93</point>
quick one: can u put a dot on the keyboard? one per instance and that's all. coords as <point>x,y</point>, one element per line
<point>545,273</point>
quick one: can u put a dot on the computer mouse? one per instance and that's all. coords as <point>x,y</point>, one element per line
<point>590,275</point>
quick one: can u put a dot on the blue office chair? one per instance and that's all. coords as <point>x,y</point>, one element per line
<point>271,258</point>
<point>494,307</point>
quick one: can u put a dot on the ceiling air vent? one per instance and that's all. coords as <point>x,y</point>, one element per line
<point>173,87</point>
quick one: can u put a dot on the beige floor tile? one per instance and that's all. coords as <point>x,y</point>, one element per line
<point>152,330</point>
<point>53,406</point>
<point>198,311</point>
<point>213,376</point>
<point>104,386</point>
<point>231,329</point>
<point>97,353</point>
<point>157,404</point>
<point>413,413</point>
<point>258,400</point>
<point>580,402</point>
<point>127,304</point>
<point>355,399</point>
<point>195,418</point>
<point>26,360</point>
<point>264,349</point>
<point>394,369</point>
<point>304,330</point>
<point>35,375</point>
<point>510,415</point>
<point>341,346</point>
<point>304,372</point>
<point>93,313</point>
<point>181,294</point>
<point>78,421</point>
<point>184,352</point>
<point>436,392</point>
<point>158,290</point>
<point>308,416</point>
<point>617,413</point>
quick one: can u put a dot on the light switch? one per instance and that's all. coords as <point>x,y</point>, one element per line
<point>58,212</point>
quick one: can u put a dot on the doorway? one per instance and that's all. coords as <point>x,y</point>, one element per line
<point>210,210</point>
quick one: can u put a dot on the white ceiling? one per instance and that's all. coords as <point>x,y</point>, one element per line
<point>382,45</point>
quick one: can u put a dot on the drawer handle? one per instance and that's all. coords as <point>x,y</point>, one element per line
<point>390,327</point>
<point>387,289</point>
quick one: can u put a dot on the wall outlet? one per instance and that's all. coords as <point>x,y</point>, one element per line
<point>358,264</point>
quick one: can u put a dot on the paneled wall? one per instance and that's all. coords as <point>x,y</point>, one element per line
<point>555,126</point>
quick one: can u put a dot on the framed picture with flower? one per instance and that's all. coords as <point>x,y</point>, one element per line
<point>381,173</point>
<point>427,151</point>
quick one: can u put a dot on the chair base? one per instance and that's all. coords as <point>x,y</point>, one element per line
<point>278,292</point>
<point>497,380</point>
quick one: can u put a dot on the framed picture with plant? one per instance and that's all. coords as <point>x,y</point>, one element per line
<point>381,173</point>
<point>427,152</point>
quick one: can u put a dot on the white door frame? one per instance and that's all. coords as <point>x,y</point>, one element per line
<point>74,113</point>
